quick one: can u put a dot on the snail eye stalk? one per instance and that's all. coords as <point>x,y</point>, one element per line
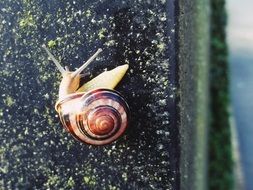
<point>57,63</point>
<point>80,69</point>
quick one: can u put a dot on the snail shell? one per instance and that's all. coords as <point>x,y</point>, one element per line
<point>97,117</point>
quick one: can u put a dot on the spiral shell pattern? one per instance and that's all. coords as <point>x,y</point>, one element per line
<point>97,117</point>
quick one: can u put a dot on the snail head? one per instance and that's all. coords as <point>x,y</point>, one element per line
<point>70,79</point>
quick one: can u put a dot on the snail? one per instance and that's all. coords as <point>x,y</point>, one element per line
<point>94,113</point>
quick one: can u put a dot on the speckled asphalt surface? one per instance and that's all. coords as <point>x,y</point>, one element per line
<point>240,38</point>
<point>35,151</point>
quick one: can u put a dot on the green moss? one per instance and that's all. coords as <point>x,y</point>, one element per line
<point>86,179</point>
<point>89,180</point>
<point>220,152</point>
<point>26,2</point>
<point>2,150</point>
<point>110,43</point>
<point>70,182</point>
<point>161,46</point>
<point>1,113</point>
<point>111,187</point>
<point>27,20</point>
<point>51,43</point>
<point>101,33</point>
<point>9,101</point>
<point>88,13</point>
<point>52,181</point>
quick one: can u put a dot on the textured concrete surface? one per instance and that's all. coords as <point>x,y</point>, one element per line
<point>36,152</point>
<point>240,38</point>
<point>194,95</point>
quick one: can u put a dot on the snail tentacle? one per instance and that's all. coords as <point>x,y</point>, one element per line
<point>80,69</point>
<point>57,63</point>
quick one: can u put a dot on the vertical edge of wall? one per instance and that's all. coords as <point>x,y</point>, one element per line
<point>194,40</point>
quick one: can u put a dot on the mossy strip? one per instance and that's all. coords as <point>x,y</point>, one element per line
<point>220,151</point>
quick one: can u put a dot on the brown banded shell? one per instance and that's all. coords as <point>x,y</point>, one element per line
<point>97,117</point>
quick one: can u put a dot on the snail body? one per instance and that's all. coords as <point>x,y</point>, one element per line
<point>94,113</point>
